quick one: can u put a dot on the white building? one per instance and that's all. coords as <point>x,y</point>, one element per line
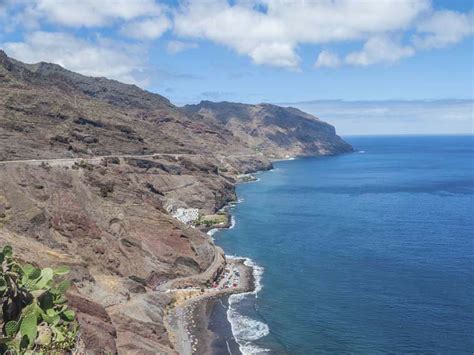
<point>186,215</point>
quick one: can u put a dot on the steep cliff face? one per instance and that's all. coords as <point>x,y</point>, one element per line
<point>90,170</point>
<point>276,131</point>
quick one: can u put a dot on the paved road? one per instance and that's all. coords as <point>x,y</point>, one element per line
<point>97,159</point>
<point>90,159</point>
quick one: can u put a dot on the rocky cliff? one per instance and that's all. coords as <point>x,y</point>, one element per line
<point>276,131</point>
<point>91,171</point>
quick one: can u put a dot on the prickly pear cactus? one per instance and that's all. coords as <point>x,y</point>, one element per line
<point>35,316</point>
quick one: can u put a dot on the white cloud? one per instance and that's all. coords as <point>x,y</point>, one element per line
<point>377,50</point>
<point>239,27</point>
<point>99,58</point>
<point>444,28</point>
<point>273,35</point>
<point>279,54</point>
<point>327,59</point>
<point>326,21</point>
<point>91,13</point>
<point>150,28</point>
<point>174,47</point>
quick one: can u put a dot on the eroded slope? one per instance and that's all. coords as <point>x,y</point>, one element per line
<point>276,131</point>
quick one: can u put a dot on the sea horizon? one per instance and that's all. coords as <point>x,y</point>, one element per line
<point>409,135</point>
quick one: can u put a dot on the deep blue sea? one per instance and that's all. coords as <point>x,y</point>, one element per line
<point>371,252</point>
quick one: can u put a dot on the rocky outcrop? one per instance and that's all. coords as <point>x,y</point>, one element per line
<point>278,132</point>
<point>91,171</point>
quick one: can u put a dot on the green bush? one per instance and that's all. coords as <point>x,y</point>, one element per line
<point>35,315</point>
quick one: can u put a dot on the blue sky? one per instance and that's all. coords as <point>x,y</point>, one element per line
<point>277,51</point>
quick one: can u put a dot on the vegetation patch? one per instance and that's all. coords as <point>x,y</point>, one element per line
<point>35,317</point>
<point>211,220</point>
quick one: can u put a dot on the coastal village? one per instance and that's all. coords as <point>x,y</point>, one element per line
<point>194,218</point>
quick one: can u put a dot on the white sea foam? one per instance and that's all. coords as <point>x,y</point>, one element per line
<point>212,231</point>
<point>257,274</point>
<point>361,152</point>
<point>245,329</point>
<point>232,222</point>
<point>251,349</point>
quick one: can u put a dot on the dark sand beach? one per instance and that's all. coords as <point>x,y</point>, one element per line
<point>213,330</point>
<point>199,324</point>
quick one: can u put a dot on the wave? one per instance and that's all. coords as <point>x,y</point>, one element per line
<point>249,349</point>
<point>232,222</point>
<point>233,204</point>
<point>247,330</point>
<point>212,231</point>
<point>257,271</point>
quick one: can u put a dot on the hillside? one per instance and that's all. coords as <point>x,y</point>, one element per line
<point>91,171</point>
<point>47,111</point>
<point>276,131</point>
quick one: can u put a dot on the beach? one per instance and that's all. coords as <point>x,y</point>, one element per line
<point>197,323</point>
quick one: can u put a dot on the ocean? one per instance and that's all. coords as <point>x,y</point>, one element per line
<point>370,252</point>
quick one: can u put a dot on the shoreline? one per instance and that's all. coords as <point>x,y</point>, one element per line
<point>189,319</point>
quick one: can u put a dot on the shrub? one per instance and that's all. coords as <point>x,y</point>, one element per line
<point>35,315</point>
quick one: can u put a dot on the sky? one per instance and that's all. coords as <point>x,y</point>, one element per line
<point>366,66</point>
